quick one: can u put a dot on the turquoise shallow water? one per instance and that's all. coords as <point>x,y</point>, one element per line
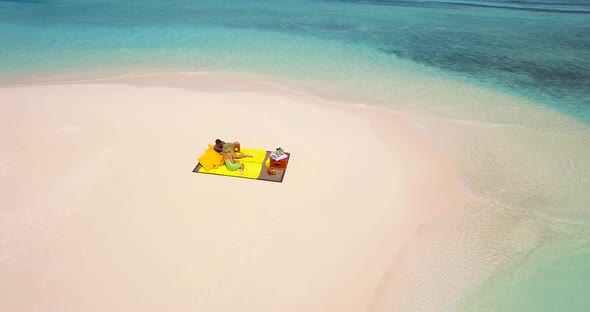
<point>553,279</point>
<point>381,51</point>
<point>535,49</point>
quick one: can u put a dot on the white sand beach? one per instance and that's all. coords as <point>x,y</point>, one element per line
<point>101,210</point>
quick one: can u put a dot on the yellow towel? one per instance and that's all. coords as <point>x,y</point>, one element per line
<point>212,162</point>
<point>251,171</point>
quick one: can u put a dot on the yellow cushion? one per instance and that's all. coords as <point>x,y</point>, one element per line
<point>211,159</point>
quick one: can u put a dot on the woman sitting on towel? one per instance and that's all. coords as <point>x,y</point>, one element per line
<point>232,163</point>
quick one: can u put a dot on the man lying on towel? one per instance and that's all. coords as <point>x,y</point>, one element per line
<point>225,147</point>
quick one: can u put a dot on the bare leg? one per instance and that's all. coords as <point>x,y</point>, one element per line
<point>235,156</point>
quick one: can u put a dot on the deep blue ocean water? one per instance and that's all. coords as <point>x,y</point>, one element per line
<point>538,50</point>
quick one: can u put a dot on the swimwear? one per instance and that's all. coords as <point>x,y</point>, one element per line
<point>232,166</point>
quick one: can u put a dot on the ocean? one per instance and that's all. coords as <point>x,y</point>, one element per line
<point>534,49</point>
<point>513,76</point>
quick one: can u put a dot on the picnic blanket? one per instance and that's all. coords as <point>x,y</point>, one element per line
<point>211,162</point>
